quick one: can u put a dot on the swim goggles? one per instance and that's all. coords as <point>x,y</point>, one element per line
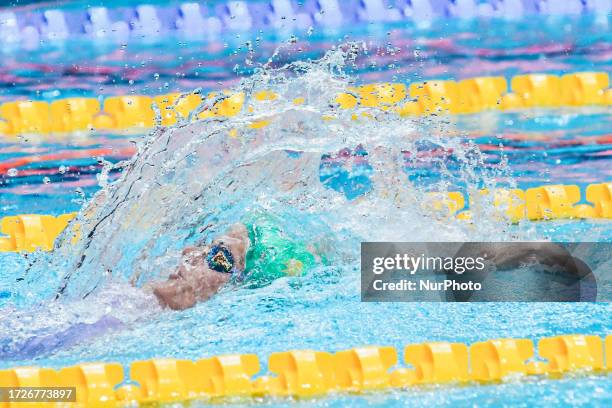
<point>220,259</point>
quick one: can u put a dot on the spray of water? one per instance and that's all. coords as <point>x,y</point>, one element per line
<point>189,182</point>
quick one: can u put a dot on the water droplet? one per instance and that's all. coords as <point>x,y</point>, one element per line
<point>62,169</point>
<point>46,180</point>
<point>12,172</point>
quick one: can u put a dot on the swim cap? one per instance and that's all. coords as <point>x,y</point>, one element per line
<point>272,253</point>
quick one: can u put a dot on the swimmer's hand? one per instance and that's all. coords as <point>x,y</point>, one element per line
<point>513,255</point>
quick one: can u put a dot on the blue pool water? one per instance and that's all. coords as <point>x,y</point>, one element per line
<point>336,201</point>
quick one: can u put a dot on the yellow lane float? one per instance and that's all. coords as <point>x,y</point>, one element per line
<point>472,95</point>
<point>308,373</point>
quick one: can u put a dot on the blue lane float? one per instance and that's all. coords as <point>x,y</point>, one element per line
<point>27,27</point>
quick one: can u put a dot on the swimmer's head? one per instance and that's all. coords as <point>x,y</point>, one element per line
<point>204,269</point>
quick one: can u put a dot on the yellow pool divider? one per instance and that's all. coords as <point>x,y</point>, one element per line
<point>308,373</point>
<point>29,232</point>
<point>117,113</point>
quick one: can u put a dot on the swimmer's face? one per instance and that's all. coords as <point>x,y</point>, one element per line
<point>194,281</point>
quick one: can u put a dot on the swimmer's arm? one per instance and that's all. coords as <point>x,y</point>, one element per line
<point>175,294</point>
<point>513,255</point>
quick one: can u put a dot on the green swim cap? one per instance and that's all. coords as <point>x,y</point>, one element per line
<point>272,253</point>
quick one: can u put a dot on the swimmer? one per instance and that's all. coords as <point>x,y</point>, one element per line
<point>257,251</point>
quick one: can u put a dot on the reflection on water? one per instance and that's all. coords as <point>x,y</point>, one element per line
<point>396,52</point>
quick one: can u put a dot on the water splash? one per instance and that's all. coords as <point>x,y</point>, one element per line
<point>187,183</point>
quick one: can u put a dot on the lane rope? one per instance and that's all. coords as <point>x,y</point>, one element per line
<point>468,96</point>
<point>31,232</point>
<point>307,373</point>
<point>28,27</point>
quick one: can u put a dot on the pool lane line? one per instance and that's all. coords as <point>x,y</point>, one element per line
<point>306,374</point>
<point>31,232</point>
<point>28,27</point>
<point>65,155</point>
<point>432,97</point>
